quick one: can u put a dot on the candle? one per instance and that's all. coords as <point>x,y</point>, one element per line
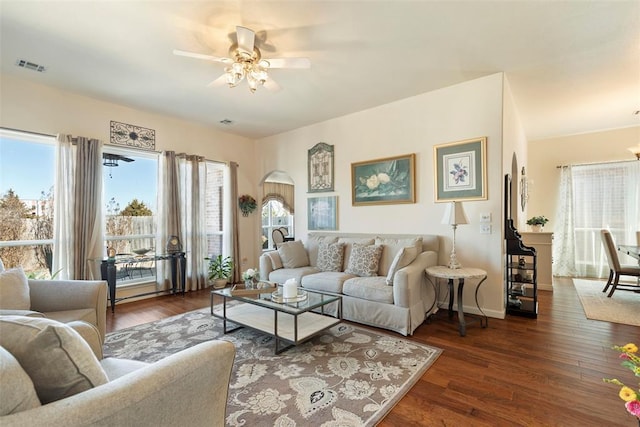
<point>290,289</point>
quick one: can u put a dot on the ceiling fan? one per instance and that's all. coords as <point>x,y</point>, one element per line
<point>246,62</point>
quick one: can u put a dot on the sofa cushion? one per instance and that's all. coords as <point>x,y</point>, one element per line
<point>348,245</point>
<point>274,257</point>
<point>14,290</point>
<point>330,256</point>
<point>19,393</point>
<point>391,247</point>
<point>404,257</point>
<point>326,281</point>
<point>369,288</point>
<point>364,260</point>
<point>65,316</point>
<point>28,313</point>
<point>284,274</point>
<point>313,245</point>
<point>293,254</point>
<point>56,358</point>
<point>116,368</point>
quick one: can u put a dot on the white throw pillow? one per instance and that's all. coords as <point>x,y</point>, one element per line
<point>14,290</point>
<point>364,260</point>
<point>293,254</point>
<point>330,256</point>
<point>59,362</point>
<point>391,246</point>
<point>404,257</point>
<point>18,393</point>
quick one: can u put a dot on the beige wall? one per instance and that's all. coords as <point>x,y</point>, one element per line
<point>39,108</point>
<point>412,125</point>
<point>546,154</point>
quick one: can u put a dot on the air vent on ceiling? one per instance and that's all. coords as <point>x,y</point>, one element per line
<point>226,122</point>
<point>30,65</point>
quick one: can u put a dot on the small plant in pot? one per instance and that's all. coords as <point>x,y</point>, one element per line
<point>220,270</point>
<point>537,222</point>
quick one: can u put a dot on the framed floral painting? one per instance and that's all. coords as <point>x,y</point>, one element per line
<point>384,181</point>
<point>460,170</point>
<point>322,213</point>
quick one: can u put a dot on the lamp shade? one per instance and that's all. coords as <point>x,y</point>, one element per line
<point>454,214</point>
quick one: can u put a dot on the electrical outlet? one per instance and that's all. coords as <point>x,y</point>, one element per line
<point>485,228</point>
<point>485,217</point>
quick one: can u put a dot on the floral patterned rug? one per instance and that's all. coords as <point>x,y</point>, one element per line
<point>348,376</point>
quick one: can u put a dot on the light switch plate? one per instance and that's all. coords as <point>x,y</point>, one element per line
<point>485,228</point>
<point>485,217</point>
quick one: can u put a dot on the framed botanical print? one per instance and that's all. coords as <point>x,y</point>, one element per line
<point>322,213</point>
<point>384,181</point>
<point>320,168</point>
<point>460,170</point>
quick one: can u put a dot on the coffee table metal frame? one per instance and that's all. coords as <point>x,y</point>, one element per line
<point>291,323</point>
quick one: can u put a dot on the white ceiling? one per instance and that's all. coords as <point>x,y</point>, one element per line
<point>573,66</point>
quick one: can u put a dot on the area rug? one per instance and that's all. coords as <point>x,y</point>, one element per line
<point>347,376</point>
<point>623,307</point>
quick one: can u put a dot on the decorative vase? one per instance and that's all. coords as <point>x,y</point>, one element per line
<point>537,228</point>
<point>250,284</point>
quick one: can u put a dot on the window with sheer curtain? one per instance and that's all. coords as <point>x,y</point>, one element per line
<point>595,197</point>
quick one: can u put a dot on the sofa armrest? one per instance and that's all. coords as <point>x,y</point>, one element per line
<point>266,267</point>
<point>187,388</point>
<point>409,282</point>
<point>61,295</point>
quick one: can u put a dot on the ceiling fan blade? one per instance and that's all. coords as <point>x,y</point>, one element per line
<point>289,62</point>
<point>201,56</point>
<point>246,38</point>
<point>220,81</point>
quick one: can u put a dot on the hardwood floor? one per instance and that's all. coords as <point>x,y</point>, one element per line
<point>518,372</point>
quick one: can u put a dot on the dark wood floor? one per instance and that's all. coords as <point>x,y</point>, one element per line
<point>518,372</point>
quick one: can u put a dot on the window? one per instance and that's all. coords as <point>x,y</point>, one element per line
<point>274,216</point>
<point>26,201</point>
<point>604,196</point>
<point>214,207</point>
<point>130,193</point>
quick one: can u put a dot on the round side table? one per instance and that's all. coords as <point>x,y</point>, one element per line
<point>459,275</point>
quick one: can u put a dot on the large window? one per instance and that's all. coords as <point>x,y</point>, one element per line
<point>275,216</point>
<point>214,207</point>
<point>26,201</point>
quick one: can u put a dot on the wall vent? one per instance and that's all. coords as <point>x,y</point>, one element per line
<point>226,122</point>
<point>30,65</point>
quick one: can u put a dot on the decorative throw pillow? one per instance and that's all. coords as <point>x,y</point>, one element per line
<point>293,254</point>
<point>404,257</point>
<point>56,358</point>
<point>391,246</point>
<point>19,394</point>
<point>330,256</point>
<point>274,257</point>
<point>364,260</point>
<point>14,290</point>
<point>1,265</point>
<point>313,244</point>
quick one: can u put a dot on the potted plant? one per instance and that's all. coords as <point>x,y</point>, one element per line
<point>537,222</point>
<point>220,270</point>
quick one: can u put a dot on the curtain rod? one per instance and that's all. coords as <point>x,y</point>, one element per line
<point>596,163</point>
<point>27,131</point>
<point>203,158</point>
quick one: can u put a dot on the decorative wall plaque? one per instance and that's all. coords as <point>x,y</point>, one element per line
<point>133,136</point>
<point>320,165</point>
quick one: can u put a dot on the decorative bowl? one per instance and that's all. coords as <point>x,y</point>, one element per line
<point>141,251</point>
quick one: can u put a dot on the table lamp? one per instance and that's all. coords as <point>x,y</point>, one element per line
<point>453,216</point>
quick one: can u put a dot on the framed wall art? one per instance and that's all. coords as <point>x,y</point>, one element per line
<point>322,213</point>
<point>460,170</point>
<point>384,181</point>
<point>132,136</point>
<point>320,168</point>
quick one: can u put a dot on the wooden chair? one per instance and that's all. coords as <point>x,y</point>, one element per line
<point>277,236</point>
<point>615,269</point>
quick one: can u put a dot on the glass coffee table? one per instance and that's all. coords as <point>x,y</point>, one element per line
<point>290,322</point>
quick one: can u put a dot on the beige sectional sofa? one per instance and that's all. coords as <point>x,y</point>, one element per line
<point>380,276</point>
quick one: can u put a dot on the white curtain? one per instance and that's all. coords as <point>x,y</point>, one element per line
<point>603,196</point>
<point>192,177</point>
<point>168,212</point>
<point>64,205</point>
<point>564,253</point>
